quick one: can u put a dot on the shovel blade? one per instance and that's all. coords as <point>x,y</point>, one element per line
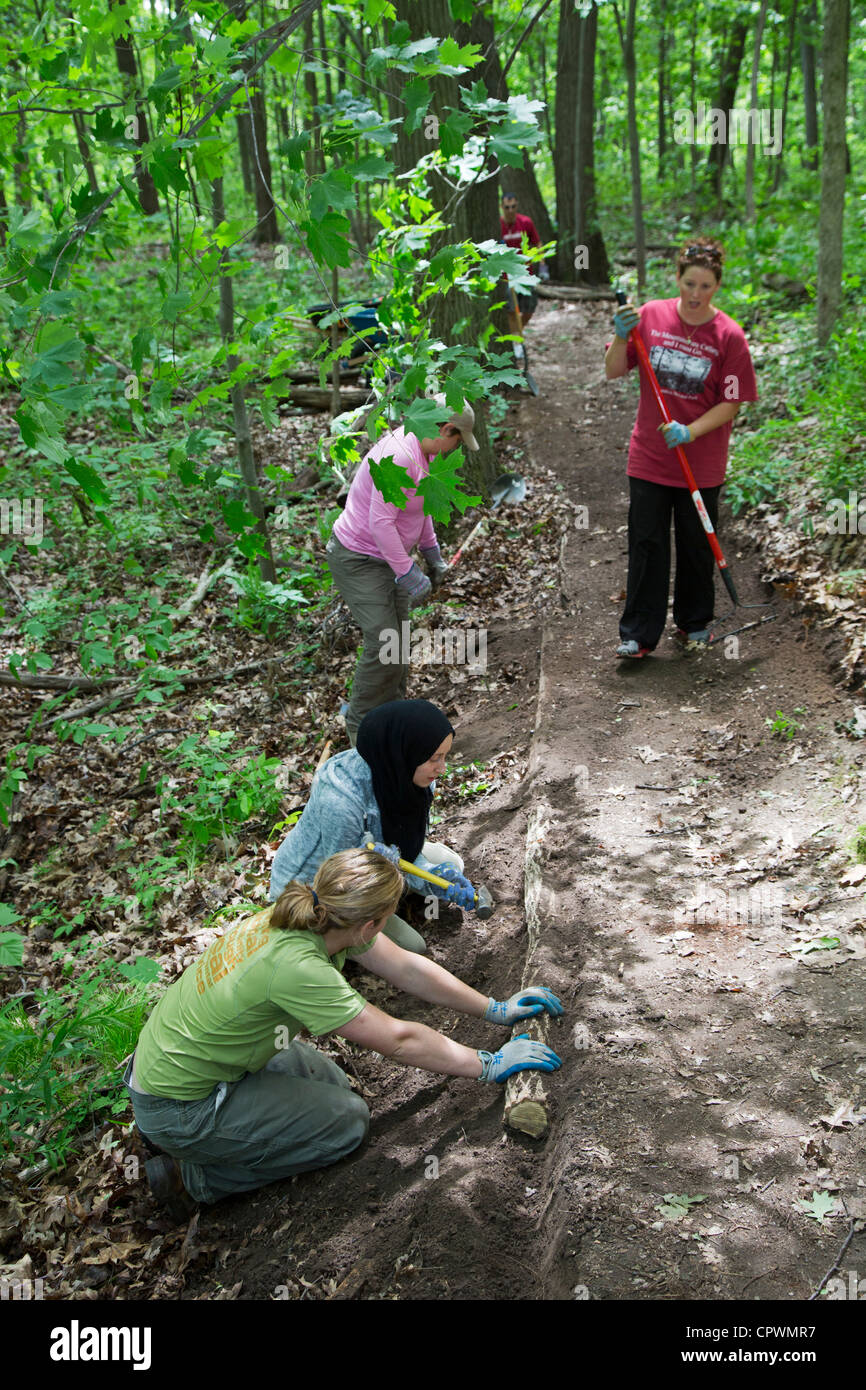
<point>508,487</point>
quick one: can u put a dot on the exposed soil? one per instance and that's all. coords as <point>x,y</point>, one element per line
<point>702,925</point>
<point>694,878</point>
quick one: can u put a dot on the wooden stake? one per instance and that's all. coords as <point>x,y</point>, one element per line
<point>526,1099</point>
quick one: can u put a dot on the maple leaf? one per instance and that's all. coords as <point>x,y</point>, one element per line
<point>328,239</point>
<point>453,133</point>
<point>509,141</point>
<point>392,480</point>
<point>441,489</point>
<point>674,1208</point>
<point>821,1205</point>
<point>332,190</point>
<point>423,418</point>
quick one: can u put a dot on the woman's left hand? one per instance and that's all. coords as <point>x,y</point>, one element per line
<point>526,1002</point>
<point>461,891</point>
<point>675,433</point>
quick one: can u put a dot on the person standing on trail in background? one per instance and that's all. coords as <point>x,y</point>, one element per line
<point>701,359</point>
<point>369,556</point>
<point>380,791</point>
<point>223,1094</point>
<point>513,228</point>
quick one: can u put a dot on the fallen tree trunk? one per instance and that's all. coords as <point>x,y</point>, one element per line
<point>526,1099</point>
<point>548,291</point>
<point>317,398</point>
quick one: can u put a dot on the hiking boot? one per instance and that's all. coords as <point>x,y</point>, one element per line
<point>694,640</point>
<point>632,649</point>
<point>166,1184</point>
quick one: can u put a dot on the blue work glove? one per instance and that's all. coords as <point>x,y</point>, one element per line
<point>543,273</point>
<point>416,584</point>
<point>461,891</point>
<point>534,1000</point>
<point>521,1054</point>
<point>675,433</point>
<point>625,319</point>
<point>391,852</point>
<point>436,566</point>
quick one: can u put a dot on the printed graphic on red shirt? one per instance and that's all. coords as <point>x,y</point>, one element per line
<point>678,371</point>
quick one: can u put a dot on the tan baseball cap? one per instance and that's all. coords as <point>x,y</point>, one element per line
<point>464,421</point>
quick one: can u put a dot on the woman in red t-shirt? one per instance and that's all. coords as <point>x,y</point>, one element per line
<point>701,359</point>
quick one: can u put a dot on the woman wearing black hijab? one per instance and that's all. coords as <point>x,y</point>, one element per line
<point>380,792</point>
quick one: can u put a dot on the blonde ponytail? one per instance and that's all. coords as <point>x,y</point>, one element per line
<point>351,888</point>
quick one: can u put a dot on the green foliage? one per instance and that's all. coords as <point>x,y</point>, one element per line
<point>857,846</point>
<point>674,1206</point>
<point>217,786</point>
<point>270,608</point>
<point>59,1057</point>
<point>781,726</point>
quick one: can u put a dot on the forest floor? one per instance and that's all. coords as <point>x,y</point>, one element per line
<point>703,924</point>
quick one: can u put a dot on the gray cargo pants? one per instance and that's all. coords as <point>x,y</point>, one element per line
<point>298,1113</point>
<point>377,604</point>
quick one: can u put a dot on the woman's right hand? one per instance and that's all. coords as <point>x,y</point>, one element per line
<point>625,319</point>
<point>520,1054</point>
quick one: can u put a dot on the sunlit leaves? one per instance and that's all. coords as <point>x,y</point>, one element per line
<point>441,490</point>
<point>328,239</point>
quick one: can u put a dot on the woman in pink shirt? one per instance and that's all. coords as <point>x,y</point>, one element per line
<point>369,556</point>
<point>701,359</point>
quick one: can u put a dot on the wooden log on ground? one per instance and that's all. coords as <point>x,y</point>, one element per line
<point>526,1099</point>
<point>317,398</point>
<point>576,292</point>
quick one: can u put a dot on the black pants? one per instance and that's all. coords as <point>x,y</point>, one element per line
<point>649,561</point>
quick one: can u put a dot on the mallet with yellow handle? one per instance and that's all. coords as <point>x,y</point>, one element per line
<point>483,900</point>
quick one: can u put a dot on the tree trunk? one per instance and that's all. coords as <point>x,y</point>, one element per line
<point>587,227</point>
<point>267,231</point>
<point>312,158</point>
<point>243,439</point>
<point>693,87</point>
<point>21,166</point>
<point>474,217</point>
<point>834,70</point>
<point>779,172</point>
<point>519,181</point>
<point>565,146</point>
<point>126,66</point>
<point>84,151</point>
<point>662,81</point>
<point>808,36</point>
<point>753,103</point>
<point>245,150</point>
<point>630,65</point>
<point>719,154</point>
<point>323,58</point>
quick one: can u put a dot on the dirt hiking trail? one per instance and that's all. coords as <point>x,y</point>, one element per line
<point>704,1139</point>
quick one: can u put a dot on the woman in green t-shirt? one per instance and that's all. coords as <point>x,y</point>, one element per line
<point>222,1093</point>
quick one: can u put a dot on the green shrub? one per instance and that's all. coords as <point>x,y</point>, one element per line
<point>60,1058</point>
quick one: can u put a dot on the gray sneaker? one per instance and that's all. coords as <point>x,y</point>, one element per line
<point>694,640</point>
<point>632,649</point>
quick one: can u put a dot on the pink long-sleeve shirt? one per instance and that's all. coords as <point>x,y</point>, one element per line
<point>374,527</point>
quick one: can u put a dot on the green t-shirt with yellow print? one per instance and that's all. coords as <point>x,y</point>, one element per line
<point>230,1012</point>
